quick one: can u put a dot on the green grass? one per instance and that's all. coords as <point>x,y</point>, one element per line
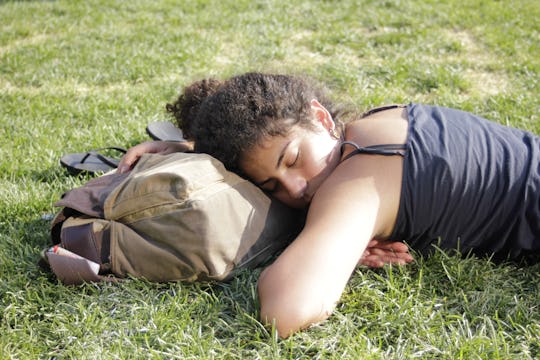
<point>77,75</point>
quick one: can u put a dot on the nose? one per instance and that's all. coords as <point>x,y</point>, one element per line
<point>295,186</point>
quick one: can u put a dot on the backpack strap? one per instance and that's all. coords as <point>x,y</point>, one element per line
<point>72,270</point>
<point>82,250</point>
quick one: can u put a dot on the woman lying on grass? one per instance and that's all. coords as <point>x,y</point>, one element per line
<point>424,175</point>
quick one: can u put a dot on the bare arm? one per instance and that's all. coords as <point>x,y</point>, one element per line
<point>358,202</point>
<point>155,147</point>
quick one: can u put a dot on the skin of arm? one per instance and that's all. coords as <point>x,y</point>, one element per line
<point>154,147</point>
<point>357,203</point>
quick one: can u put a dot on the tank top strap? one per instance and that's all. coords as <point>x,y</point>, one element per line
<point>382,149</point>
<point>382,108</point>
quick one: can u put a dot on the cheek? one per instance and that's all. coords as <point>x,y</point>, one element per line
<point>320,158</point>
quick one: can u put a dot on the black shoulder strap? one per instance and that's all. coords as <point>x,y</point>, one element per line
<point>382,108</point>
<point>382,149</point>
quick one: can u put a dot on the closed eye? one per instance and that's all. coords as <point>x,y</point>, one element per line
<point>270,186</point>
<point>295,161</point>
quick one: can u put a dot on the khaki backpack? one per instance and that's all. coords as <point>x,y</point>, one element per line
<point>176,217</point>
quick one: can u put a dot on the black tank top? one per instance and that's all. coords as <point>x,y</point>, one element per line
<point>468,184</point>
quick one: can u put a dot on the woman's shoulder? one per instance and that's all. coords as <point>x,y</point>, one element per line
<point>383,125</point>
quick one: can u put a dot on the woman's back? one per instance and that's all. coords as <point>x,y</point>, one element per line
<point>468,183</point>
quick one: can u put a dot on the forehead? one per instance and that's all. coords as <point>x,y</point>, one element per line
<point>262,158</point>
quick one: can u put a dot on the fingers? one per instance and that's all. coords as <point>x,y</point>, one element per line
<point>372,263</point>
<point>389,255</point>
<point>127,162</point>
<point>133,154</point>
<point>376,261</point>
<point>399,247</point>
<point>378,253</point>
<point>388,252</point>
<point>396,246</point>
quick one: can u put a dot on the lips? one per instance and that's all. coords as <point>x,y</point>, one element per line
<point>307,195</point>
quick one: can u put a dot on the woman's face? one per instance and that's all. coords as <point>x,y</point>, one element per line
<point>291,168</point>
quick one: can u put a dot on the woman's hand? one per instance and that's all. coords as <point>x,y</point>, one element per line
<point>154,147</point>
<point>378,253</point>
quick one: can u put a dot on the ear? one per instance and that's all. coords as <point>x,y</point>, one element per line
<point>322,115</point>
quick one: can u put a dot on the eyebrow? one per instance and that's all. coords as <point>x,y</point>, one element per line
<point>280,160</point>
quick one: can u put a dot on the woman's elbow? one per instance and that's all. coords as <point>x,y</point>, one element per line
<point>289,311</point>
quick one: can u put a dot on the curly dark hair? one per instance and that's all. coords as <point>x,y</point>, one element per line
<point>227,118</point>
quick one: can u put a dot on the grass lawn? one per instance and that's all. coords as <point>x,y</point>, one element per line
<point>78,75</point>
